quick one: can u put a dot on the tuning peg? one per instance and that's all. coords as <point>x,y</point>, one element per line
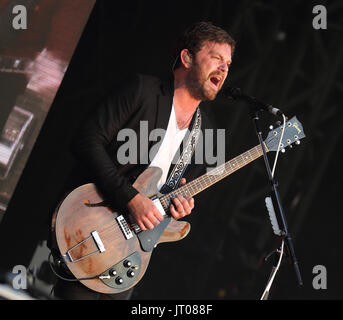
<point>297,142</point>
<point>271,127</point>
<point>290,146</point>
<point>283,150</point>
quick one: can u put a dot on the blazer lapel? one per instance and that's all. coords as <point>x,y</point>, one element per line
<point>164,104</point>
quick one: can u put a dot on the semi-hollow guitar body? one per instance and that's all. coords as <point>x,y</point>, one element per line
<point>97,241</point>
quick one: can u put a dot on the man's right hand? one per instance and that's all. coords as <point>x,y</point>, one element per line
<point>144,212</point>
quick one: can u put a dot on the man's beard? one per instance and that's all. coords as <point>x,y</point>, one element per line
<point>195,82</point>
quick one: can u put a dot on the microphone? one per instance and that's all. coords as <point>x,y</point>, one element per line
<point>237,94</point>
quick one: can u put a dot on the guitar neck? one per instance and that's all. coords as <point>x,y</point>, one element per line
<point>208,179</point>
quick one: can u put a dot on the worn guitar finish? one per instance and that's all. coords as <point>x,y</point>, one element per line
<point>99,243</point>
<point>76,220</point>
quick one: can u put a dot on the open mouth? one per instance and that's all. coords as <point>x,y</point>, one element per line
<point>215,80</point>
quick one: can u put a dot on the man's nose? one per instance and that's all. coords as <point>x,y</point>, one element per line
<point>223,67</point>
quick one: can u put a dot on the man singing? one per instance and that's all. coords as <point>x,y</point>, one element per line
<point>202,59</point>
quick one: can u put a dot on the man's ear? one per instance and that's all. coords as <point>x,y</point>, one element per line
<point>186,58</point>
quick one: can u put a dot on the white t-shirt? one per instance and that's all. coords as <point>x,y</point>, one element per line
<point>170,144</point>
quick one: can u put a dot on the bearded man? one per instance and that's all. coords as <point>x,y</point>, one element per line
<point>202,58</point>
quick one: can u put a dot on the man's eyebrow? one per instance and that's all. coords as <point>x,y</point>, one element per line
<point>217,53</point>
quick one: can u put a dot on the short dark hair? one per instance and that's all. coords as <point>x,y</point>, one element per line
<point>196,35</point>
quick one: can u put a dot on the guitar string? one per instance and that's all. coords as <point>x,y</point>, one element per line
<point>223,168</point>
<point>111,230</point>
<point>254,153</point>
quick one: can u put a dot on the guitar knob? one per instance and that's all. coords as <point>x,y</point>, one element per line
<point>119,280</point>
<point>112,272</point>
<point>130,273</point>
<point>127,263</point>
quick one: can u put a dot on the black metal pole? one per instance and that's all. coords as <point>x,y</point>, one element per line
<point>289,243</point>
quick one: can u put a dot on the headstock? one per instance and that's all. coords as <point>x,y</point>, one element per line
<point>293,133</point>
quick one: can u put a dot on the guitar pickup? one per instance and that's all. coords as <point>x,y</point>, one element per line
<point>158,205</point>
<point>124,227</point>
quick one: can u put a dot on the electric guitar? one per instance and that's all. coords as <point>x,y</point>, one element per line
<point>109,254</point>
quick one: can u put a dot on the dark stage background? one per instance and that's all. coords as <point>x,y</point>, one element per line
<point>281,59</point>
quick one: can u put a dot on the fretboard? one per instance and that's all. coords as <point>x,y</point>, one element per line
<point>208,179</point>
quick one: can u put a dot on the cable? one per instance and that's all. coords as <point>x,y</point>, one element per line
<point>271,279</point>
<point>278,149</point>
<point>69,279</point>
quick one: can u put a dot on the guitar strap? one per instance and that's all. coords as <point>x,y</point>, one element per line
<point>186,156</point>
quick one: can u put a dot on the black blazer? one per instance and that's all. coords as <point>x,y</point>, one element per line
<point>144,98</point>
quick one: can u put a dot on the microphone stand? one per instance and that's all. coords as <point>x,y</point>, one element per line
<point>255,108</point>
